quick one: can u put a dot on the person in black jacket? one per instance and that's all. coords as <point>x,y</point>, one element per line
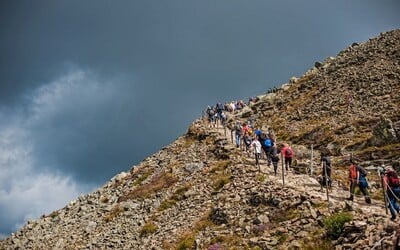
<point>326,170</point>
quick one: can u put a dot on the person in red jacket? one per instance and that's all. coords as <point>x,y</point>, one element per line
<point>392,186</point>
<point>357,177</point>
<point>288,155</point>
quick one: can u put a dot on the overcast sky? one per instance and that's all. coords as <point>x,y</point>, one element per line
<point>90,88</point>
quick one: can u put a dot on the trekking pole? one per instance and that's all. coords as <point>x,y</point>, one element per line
<point>384,194</point>
<point>283,170</point>
<point>225,130</point>
<point>311,162</point>
<point>326,184</point>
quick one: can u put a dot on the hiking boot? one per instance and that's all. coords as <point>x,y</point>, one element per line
<point>350,198</point>
<point>368,200</point>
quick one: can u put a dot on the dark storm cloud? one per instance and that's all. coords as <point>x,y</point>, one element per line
<point>186,43</point>
<point>90,88</point>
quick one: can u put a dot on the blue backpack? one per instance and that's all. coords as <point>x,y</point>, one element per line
<point>268,143</point>
<point>362,181</point>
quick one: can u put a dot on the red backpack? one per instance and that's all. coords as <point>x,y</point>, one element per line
<point>393,179</point>
<point>288,153</point>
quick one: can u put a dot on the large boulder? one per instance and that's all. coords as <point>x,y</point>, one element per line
<point>384,133</point>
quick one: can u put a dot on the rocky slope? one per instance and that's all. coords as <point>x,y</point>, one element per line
<point>201,192</point>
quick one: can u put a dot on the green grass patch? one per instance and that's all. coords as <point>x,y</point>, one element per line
<point>114,212</point>
<point>53,214</point>
<point>284,214</point>
<point>142,177</point>
<point>166,204</point>
<point>316,242</point>
<point>148,228</point>
<point>281,237</point>
<point>334,224</point>
<point>221,181</point>
<point>232,241</point>
<point>261,178</point>
<point>219,166</point>
<point>186,242</point>
<point>157,183</point>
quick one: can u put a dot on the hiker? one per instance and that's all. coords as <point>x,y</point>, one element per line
<point>267,147</point>
<point>211,115</point>
<point>357,177</point>
<point>274,157</point>
<point>257,132</point>
<point>238,133</point>
<point>257,150</point>
<point>326,171</point>
<point>247,141</point>
<point>250,124</point>
<point>219,108</point>
<point>232,107</point>
<point>288,155</point>
<point>246,129</point>
<point>223,119</point>
<point>239,105</point>
<point>392,186</point>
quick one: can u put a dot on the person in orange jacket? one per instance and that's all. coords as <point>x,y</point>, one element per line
<point>357,177</point>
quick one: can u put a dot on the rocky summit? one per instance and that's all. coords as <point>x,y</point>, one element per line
<point>202,192</point>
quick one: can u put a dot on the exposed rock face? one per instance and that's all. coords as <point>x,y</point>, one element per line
<point>384,133</point>
<point>201,192</point>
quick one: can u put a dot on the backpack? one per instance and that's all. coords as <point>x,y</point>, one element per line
<point>326,160</point>
<point>352,172</point>
<point>362,171</point>
<point>268,143</point>
<point>362,182</point>
<point>288,152</point>
<point>263,136</point>
<point>393,179</point>
<point>238,128</point>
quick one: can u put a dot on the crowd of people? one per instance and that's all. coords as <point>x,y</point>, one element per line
<point>218,111</point>
<point>263,145</point>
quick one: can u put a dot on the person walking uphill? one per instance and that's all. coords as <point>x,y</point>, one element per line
<point>392,186</point>
<point>288,155</point>
<point>326,171</point>
<point>238,133</point>
<point>274,157</point>
<point>257,150</point>
<point>357,177</point>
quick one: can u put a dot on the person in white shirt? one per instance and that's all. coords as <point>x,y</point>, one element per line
<point>256,145</point>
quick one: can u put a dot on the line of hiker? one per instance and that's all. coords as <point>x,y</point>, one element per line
<point>262,143</point>
<point>218,112</point>
<point>357,177</point>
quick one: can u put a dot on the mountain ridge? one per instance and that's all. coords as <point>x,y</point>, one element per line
<point>201,192</point>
